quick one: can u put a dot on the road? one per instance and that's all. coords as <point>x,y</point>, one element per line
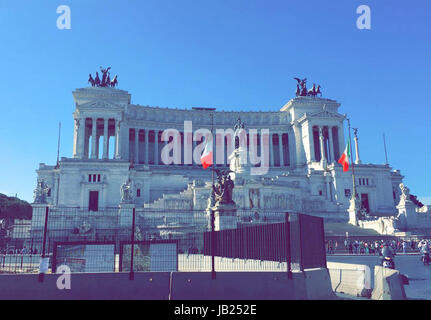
<point>408,264</point>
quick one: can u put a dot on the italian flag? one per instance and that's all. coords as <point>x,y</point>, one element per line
<point>344,159</point>
<point>207,154</point>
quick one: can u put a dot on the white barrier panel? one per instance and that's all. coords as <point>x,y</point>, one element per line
<point>351,279</point>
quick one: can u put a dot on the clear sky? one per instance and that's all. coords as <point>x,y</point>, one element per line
<point>228,54</point>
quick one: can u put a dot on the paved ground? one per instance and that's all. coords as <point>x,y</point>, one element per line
<point>408,264</point>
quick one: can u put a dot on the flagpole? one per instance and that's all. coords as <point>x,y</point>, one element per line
<point>384,144</point>
<point>58,146</point>
<point>351,160</point>
<point>213,148</point>
<point>212,242</point>
<point>211,111</point>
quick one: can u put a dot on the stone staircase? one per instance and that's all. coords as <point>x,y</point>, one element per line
<point>181,200</point>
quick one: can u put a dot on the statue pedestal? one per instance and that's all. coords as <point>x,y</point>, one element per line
<point>89,236</point>
<point>224,216</point>
<point>38,215</point>
<point>126,214</point>
<point>238,161</point>
<point>407,210</point>
<point>353,210</point>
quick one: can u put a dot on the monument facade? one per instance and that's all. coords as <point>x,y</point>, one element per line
<point>119,152</point>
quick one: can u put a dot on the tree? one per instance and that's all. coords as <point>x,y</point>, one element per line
<point>13,208</point>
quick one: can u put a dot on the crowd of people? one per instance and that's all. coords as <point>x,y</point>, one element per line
<point>356,246</point>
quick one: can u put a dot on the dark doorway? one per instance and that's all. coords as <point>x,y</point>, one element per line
<point>93,203</point>
<point>364,202</point>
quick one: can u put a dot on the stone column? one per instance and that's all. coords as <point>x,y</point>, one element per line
<point>86,153</point>
<point>105,139</point>
<point>341,141</point>
<point>280,147</point>
<point>358,160</point>
<point>146,145</point>
<point>98,145</point>
<point>93,138</point>
<point>297,143</point>
<point>136,146</point>
<point>75,138</point>
<point>311,143</point>
<point>156,147</point>
<point>271,151</point>
<point>126,216</point>
<point>194,146</point>
<point>225,216</point>
<point>331,145</point>
<point>117,139</point>
<point>79,138</point>
<point>323,161</point>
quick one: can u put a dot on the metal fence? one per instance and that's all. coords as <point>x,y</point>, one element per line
<point>129,239</point>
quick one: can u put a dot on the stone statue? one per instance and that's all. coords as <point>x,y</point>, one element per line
<point>77,123</point>
<point>126,191</point>
<point>239,125</point>
<point>312,91</point>
<point>106,79</point>
<point>254,198</point>
<point>114,82</point>
<point>91,80</point>
<point>212,198</point>
<point>298,91</point>
<point>138,234</point>
<point>223,190</point>
<point>97,80</point>
<point>303,84</point>
<point>355,131</point>
<point>301,89</point>
<point>84,227</point>
<point>41,192</point>
<point>405,193</point>
<point>318,90</point>
<point>104,76</point>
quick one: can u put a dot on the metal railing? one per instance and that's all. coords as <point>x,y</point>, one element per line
<point>137,239</point>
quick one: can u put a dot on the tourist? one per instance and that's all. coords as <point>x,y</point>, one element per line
<point>356,246</point>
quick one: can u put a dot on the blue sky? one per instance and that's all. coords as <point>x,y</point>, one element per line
<point>232,55</point>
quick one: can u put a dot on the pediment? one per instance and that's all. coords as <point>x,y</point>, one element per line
<point>99,103</point>
<point>325,114</point>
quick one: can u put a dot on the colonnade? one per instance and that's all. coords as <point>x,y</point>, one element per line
<point>87,135</point>
<point>145,147</point>
<point>325,143</point>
